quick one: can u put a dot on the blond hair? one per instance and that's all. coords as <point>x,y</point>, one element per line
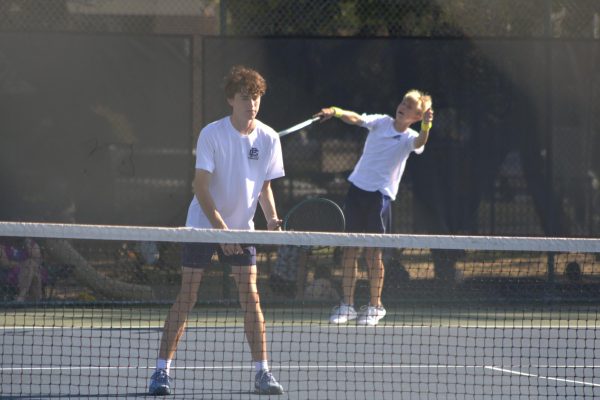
<point>423,99</point>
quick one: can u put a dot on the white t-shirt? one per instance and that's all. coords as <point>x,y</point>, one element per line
<point>239,165</point>
<point>384,156</point>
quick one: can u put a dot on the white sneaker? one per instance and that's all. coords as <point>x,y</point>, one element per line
<point>342,314</point>
<point>371,315</point>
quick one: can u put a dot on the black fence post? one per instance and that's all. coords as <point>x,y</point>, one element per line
<point>223,17</point>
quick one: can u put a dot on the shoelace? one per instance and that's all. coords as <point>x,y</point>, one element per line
<point>371,311</point>
<point>269,376</point>
<point>161,374</point>
<point>266,376</point>
<point>338,307</point>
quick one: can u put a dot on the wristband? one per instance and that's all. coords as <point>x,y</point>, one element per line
<point>426,126</point>
<point>337,112</point>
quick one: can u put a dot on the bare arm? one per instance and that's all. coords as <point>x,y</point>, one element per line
<point>267,203</point>
<point>201,184</point>
<point>349,117</point>
<point>425,126</point>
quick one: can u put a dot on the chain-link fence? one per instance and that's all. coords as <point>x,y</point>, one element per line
<point>429,18</point>
<point>365,18</point>
<point>565,107</point>
<point>108,16</point>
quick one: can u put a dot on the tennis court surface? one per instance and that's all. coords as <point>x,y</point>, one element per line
<point>504,330</point>
<point>461,353</point>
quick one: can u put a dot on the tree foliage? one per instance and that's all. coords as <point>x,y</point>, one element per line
<point>416,18</point>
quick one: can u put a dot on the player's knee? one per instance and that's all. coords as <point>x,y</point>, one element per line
<point>251,302</point>
<point>186,299</point>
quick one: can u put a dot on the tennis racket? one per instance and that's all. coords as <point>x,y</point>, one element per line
<point>299,126</point>
<point>315,214</point>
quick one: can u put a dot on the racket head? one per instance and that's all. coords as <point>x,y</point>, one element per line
<point>315,214</point>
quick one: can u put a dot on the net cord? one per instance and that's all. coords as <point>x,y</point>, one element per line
<point>181,234</point>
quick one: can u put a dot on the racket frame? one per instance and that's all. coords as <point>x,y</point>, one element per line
<point>299,126</point>
<point>315,199</point>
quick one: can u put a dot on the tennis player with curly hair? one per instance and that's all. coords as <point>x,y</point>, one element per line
<point>236,159</point>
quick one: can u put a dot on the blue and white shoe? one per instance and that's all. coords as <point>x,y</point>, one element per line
<point>265,383</point>
<point>160,383</point>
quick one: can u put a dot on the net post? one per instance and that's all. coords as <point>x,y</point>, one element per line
<point>226,281</point>
<point>223,17</point>
<point>551,269</point>
<point>551,275</point>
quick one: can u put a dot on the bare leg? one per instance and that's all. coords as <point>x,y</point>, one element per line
<point>301,274</point>
<point>350,270</point>
<point>36,284</point>
<point>376,274</point>
<point>254,321</point>
<point>178,314</point>
<point>26,276</point>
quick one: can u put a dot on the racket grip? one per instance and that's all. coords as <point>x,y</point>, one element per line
<point>426,126</point>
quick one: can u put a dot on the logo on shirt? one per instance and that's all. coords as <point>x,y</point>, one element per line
<point>253,154</point>
<point>397,137</point>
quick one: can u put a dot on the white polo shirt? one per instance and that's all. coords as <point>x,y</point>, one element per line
<point>239,165</point>
<point>384,156</point>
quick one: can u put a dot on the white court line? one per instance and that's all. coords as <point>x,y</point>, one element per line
<point>309,367</point>
<point>73,328</point>
<point>453,326</point>
<point>273,326</point>
<point>549,378</point>
<point>242,367</point>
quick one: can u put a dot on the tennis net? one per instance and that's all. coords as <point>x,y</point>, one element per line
<point>466,316</point>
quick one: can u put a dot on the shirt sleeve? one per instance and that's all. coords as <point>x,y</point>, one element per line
<point>205,151</point>
<point>370,121</point>
<point>275,169</point>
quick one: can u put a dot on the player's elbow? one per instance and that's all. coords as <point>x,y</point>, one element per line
<point>419,143</point>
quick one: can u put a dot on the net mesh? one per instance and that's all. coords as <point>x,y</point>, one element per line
<point>466,317</point>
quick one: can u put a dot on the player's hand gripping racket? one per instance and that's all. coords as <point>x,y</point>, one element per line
<point>315,214</point>
<point>299,126</point>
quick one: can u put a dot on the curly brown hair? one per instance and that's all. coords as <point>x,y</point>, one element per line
<point>245,80</point>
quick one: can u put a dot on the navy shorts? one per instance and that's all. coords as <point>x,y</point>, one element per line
<point>367,212</point>
<point>199,255</point>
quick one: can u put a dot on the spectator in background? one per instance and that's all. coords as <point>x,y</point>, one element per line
<point>321,287</point>
<point>289,273</point>
<point>24,259</point>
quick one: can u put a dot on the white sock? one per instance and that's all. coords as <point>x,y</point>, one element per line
<point>261,365</point>
<point>163,364</point>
